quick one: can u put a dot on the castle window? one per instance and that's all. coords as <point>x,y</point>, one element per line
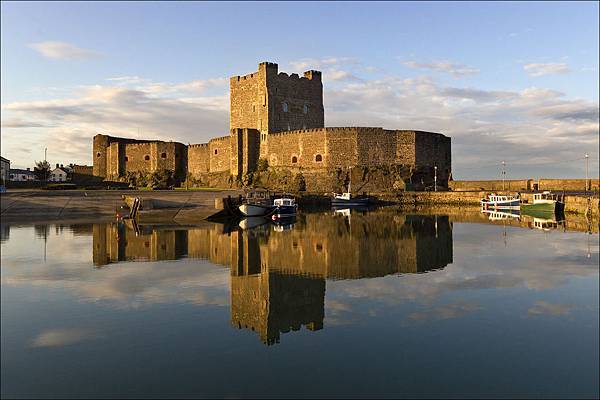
<point>294,160</point>
<point>305,109</point>
<point>318,158</point>
<point>163,155</point>
<point>97,154</point>
<point>216,151</point>
<point>285,107</point>
<point>147,157</point>
<point>126,158</point>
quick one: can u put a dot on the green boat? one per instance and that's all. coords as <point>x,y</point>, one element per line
<point>545,205</point>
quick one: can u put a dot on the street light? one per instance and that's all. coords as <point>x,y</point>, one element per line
<point>435,178</point>
<point>586,171</point>
<point>503,173</point>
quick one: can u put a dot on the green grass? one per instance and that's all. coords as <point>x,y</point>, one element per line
<point>208,189</point>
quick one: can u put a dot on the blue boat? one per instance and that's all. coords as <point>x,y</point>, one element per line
<point>284,207</point>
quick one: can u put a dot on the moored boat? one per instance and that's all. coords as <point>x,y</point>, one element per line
<point>500,202</point>
<point>256,210</point>
<point>257,203</point>
<point>545,205</point>
<point>285,207</point>
<point>346,199</point>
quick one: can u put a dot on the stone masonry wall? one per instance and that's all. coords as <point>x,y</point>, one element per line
<point>198,159</point>
<point>295,102</point>
<point>270,101</point>
<point>220,154</point>
<point>376,146</point>
<point>303,146</point>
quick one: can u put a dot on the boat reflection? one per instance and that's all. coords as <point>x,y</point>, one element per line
<point>279,272</point>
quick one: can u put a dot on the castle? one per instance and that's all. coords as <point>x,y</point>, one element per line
<point>280,119</point>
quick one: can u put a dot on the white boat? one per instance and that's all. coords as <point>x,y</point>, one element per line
<point>347,200</point>
<point>501,202</point>
<point>256,210</point>
<point>257,204</point>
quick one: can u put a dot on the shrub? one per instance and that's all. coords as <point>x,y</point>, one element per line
<point>299,184</point>
<point>262,165</point>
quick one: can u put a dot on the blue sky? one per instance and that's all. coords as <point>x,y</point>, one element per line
<point>514,81</point>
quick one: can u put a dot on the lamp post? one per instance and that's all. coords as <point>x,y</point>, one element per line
<point>503,173</point>
<point>587,157</point>
<point>435,178</point>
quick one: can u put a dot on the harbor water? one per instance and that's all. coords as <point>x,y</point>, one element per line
<point>347,303</point>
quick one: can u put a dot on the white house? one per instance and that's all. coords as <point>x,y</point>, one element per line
<point>21,175</point>
<point>58,175</point>
<point>4,170</point>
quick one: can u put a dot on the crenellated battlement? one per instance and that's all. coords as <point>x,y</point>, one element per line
<point>219,139</point>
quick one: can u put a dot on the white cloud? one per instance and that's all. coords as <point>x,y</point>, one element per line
<point>546,69</point>
<point>320,63</point>
<point>456,70</point>
<point>62,50</point>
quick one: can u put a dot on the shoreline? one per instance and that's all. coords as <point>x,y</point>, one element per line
<point>196,205</point>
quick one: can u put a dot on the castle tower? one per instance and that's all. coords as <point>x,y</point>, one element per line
<point>269,101</point>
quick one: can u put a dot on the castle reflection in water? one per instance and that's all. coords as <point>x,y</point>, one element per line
<point>278,277</point>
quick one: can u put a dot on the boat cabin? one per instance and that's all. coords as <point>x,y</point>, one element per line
<point>546,197</point>
<point>284,202</point>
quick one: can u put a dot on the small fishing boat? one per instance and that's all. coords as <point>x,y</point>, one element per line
<point>500,202</point>
<point>285,207</point>
<point>257,204</point>
<point>346,199</point>
<point>256,210</point>
<point>544,205</point>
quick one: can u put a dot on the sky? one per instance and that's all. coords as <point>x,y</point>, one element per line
<point>506,81</point>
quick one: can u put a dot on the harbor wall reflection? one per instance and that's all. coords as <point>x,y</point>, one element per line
<point>278,278</point>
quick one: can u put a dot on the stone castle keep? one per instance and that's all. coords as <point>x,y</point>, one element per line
<point>280,119</point>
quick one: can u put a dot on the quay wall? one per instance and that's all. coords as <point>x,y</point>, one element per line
<point>527,184</point>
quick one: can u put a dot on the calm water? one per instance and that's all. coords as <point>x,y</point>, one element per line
<point>380,304</point>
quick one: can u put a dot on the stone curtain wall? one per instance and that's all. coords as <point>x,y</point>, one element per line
<point>305,145</point>
<point>198,159</point>
<point>114,157</point>
<point>376,146</point>
<point>220,154</point>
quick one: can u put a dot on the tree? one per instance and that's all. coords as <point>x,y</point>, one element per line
<point>161,179</point>
<point>42,170</point>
